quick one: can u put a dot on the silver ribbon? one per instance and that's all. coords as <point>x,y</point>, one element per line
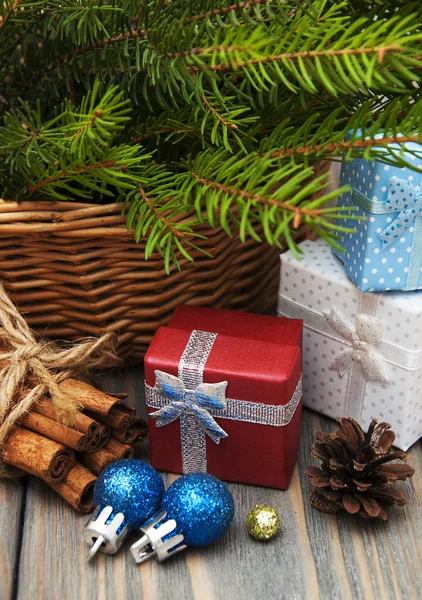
<point>197,403</point>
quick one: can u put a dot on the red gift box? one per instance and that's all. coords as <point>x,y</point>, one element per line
<point>258,427</point>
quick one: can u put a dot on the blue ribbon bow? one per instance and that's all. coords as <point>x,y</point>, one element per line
<point>206,396</point>
<point>407,201</point>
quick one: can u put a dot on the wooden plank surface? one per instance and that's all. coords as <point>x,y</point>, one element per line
<point>12,494</point>
<point>315,555</point>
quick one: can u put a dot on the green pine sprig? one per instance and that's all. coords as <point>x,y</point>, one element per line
<point>205,112</point>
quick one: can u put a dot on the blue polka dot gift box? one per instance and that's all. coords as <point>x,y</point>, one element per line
<point>385,253</point>
<point>362,352</point>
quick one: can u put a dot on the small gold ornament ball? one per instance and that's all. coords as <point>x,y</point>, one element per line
<point>262,522</point>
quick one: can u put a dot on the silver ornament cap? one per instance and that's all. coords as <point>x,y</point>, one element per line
<point>153,543</point>
<point>105,535</point>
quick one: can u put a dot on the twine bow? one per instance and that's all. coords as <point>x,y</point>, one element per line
<point>206,396</point>
<point>368,334</point>
<point>31,363</point>
<point>407,201</point>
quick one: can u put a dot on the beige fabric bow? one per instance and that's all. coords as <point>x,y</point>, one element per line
<point>368,333</point>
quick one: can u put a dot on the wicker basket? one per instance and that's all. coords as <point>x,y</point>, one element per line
<point>74,270</point>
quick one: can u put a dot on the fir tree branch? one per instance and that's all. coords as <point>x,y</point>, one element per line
<point>229,125</point>
<point>248,190</point>
<point>322,48</point>
<point>90,123</point>
<point>380,51</point>
<point>224,10</point>
<point>336,148</point>
<point>135,33</point>
<point>13,27</point>
<point>137,18</point>
<point>250,12</point>
<point>160,217</point>
<point>164,224</point>
<point>146,136</point>
<point>68,57</point>
<point>26,140</point>
<point>94,123</point>
<point>71,174</point>
<point>375,130</point>
<point>10,8</point>
<point>217,114</point>
<point>298,211</point>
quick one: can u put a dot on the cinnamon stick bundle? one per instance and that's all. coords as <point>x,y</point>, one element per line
<point>33,368</point>
<point>44,446</point>
<point>77,488</point>
<point>37,455</point>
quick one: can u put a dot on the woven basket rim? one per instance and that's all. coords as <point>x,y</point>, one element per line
<point>73,219</point>
<point>49,204</point>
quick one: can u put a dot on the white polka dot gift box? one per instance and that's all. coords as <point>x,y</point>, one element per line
<point>362,351</point>
<point>385,253</point>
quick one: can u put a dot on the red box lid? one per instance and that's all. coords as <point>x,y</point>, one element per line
<point>257,371</point>
<point>239,324</point>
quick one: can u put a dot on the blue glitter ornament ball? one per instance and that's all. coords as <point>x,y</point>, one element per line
<point>131,487</point>
<point>202,507</point>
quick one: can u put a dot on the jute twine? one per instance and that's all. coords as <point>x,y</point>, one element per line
<point>31,367</point>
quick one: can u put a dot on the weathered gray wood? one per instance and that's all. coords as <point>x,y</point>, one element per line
<point>12,495</point>
<point>315,556</point>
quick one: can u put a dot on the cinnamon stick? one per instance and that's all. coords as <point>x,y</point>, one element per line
<point>37,455</point>
<point>112,451</point>
<point>134,434</point>
<point>118,449</point>
<point>97,404</point>
<point>78,488</point>
<point>119,395</point>
<point>97,433</point>
<point>100,439</point>
<point>120,419</point>
<point>55,431</point>
<point>97,461</point>
<point>80,422</point>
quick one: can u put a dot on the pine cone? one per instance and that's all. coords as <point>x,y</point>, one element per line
<point>354,475</point>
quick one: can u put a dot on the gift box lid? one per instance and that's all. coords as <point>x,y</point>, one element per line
<point>382,249</point>
<point>319,283</point>
<point>371,178</point>
<point>239,324</point>
<point>256,371</point>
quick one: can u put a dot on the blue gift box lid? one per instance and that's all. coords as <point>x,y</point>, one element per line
<point>385,252</point>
